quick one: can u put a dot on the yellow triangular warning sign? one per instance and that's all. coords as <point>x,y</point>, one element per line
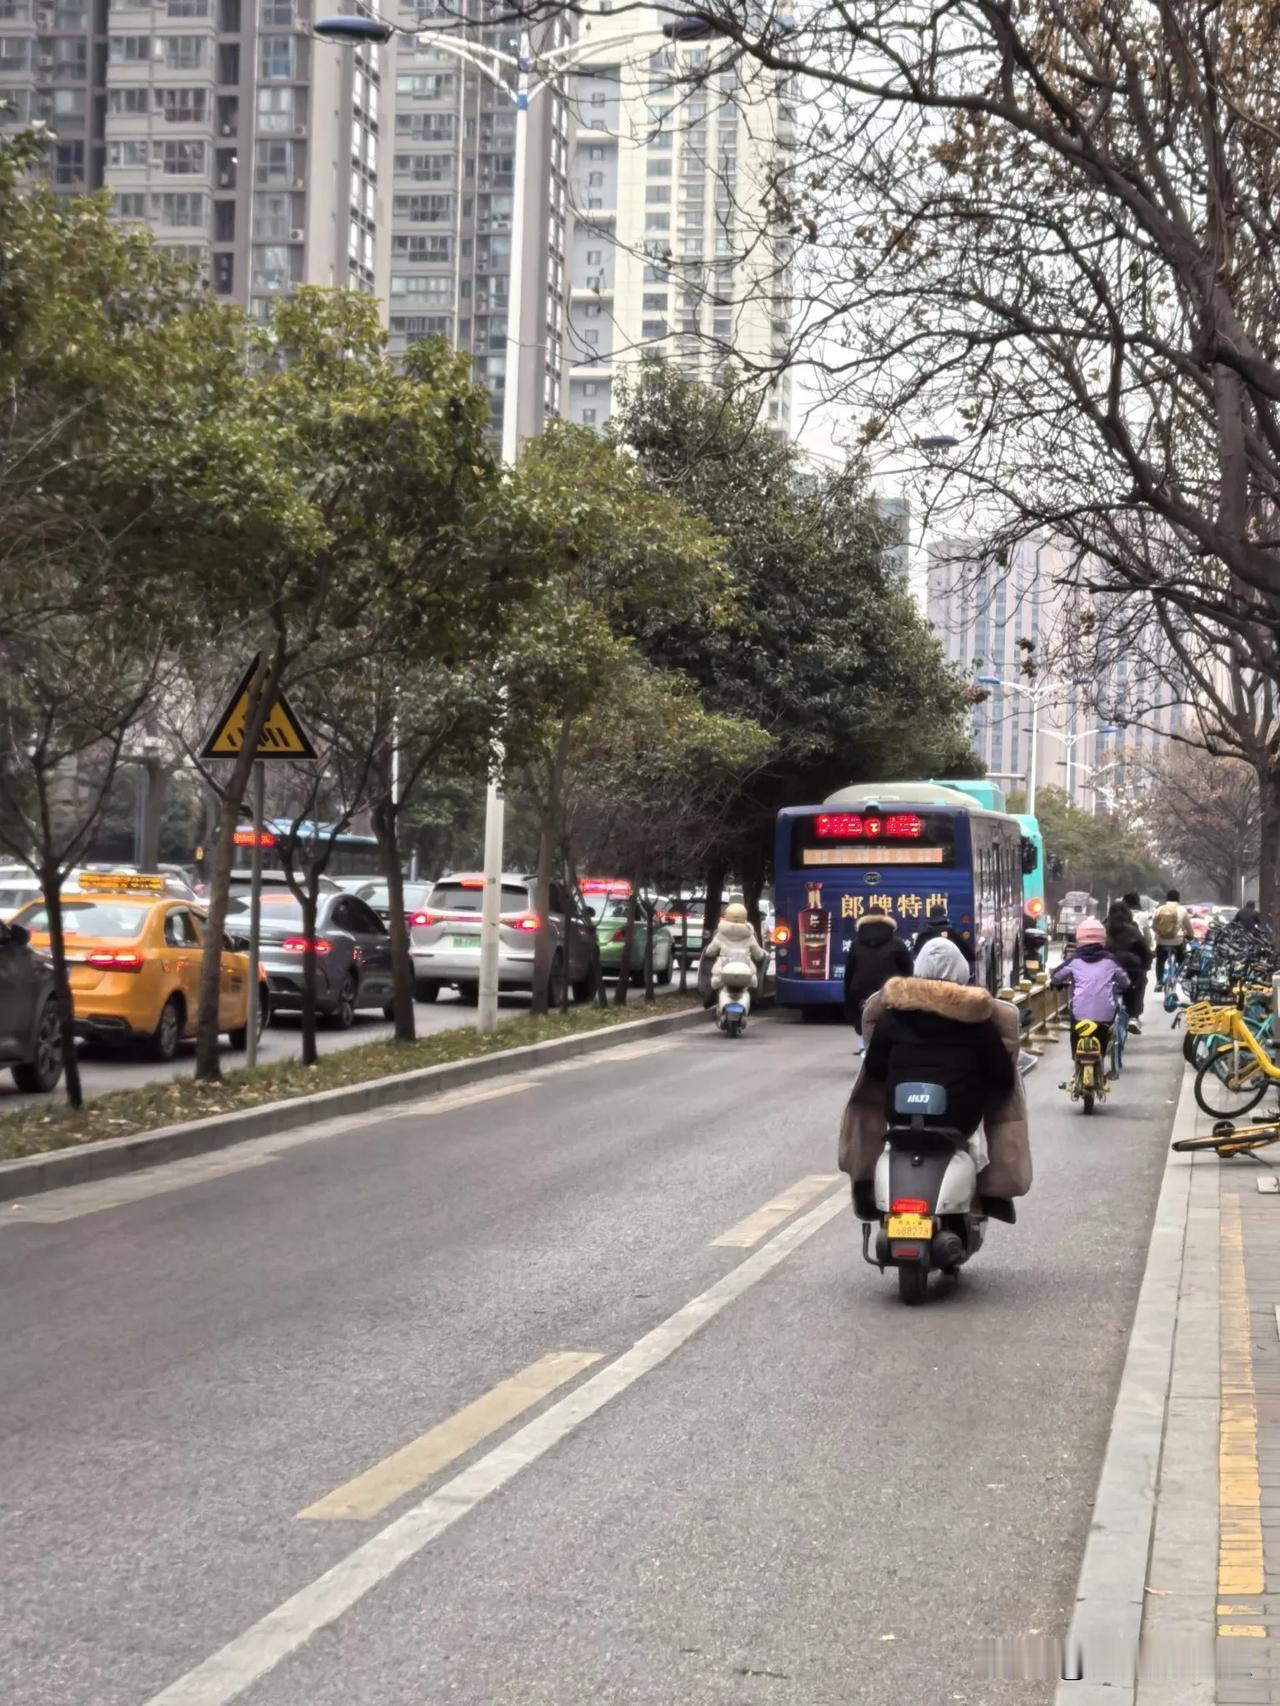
<point>282,736</point>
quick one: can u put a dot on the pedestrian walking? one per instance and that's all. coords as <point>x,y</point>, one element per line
<point>876,954</point>
<point>938,924</point>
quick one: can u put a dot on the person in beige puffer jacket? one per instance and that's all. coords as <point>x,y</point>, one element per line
<point>734,940</point>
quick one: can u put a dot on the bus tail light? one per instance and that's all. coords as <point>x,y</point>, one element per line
<point>781,935</point>
<point>1035,906</point>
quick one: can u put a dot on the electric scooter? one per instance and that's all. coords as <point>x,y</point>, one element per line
<point>926,1195</point>
<point>733,1000</point>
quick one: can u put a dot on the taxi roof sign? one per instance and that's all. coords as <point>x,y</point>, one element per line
<point>283,736</point>
<point>120,882</point>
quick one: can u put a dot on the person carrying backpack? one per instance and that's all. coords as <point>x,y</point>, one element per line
<point>1172,926</point>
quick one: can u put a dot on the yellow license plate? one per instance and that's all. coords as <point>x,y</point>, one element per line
<point>910,1226</point>
<point>1086,1077</point>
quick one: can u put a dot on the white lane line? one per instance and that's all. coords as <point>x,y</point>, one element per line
<point>751,1230</point>
<point>242,1662</point>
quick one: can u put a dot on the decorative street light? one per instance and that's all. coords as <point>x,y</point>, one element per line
<point>358,30</point>
<point>1070,742</point>
<point>1036,694</point>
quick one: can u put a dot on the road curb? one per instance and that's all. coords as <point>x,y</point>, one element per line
<point>29,1174</point>
<point>1103,1646</point>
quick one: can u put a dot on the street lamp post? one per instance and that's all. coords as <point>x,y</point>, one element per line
<point>1071,741</point>
<point>494,64</point>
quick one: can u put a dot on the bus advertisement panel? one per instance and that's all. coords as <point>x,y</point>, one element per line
<point>839,862</point>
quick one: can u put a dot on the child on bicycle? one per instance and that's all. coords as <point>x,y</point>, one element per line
<point>1095,977</point>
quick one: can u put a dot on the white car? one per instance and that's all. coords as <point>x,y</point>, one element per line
<point>444,939</point>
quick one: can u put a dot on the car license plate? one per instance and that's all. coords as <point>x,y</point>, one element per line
<point>464,941</point>
<point>910,1226</point>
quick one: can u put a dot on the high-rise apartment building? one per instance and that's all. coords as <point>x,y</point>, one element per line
<point>452,169</point>
<point>221,124</point>
<point>984,611</point>
<point>672,158</point>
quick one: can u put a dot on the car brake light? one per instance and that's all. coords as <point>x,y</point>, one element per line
<point>471,882</point>
<point>300,945</point>
<point>421,919</point>
<point>781,935</point>
<point>909,1205</point>
<point>105,960</point>
<point>619,936</point>
<point>522,921</point>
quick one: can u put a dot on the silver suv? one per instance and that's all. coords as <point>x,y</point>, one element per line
<point>444,939</point>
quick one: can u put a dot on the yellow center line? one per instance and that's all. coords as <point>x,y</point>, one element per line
<point>756,1226</point>
<point>1240,1558</point>
<point>372,1492</point>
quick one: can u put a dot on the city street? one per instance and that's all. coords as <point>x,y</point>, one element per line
<point>268,1409</point>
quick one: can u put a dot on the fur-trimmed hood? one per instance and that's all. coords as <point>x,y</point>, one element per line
<point>961,1001</point>
<point>870,918</point>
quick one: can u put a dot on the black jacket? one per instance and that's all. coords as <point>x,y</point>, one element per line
<point>931,931</point>
<point>1129,947</point>
<point>932,1032</point>
<point>876,954</point>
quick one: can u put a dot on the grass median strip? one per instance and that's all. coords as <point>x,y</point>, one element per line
<point>123,1113</point>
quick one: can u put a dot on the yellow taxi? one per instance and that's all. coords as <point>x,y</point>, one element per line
<point>133,957</point>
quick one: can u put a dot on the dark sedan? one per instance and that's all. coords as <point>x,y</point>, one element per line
<point>30,1034</point>
<point>351,946</point>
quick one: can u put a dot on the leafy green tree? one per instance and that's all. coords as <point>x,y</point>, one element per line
<point>830,654</point>
<point>1103,855</point>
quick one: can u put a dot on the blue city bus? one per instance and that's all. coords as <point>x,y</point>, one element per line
<point>898,849</point>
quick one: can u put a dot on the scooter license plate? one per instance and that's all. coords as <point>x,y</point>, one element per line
<point>910,1226</point>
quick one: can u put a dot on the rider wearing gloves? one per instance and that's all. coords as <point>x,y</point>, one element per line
<point>734,940</point>
<point>876,954</point>
<point>1094,977</point>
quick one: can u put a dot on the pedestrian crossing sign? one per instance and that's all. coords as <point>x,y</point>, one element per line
<point>283,736</point>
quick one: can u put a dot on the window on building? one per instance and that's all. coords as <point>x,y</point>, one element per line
<point>128,50</point>
<point>590,388</point>
<point>131,204</point>
<point>68,163</point>
<point>127,153</point>
<point>15,11</point>
<point>187,8</point>
<point>123,100</point>
<point>422,248</point>
<point>597,97</point>
<point>15,53</point>
<point>277,58</point>
<point>588,417</point>
<point>67,103</point>
<point>272,217</point>
<point>272,267</point>
<point>426,127</point>
<point>594,202</point>
<point>654,328</point>
<point>70,57</point>
<point>184,209</point>
<point>427,85</point>
<point>274,163</point>
<point>277,12</point>
<point>595,180</point>
<point>182,53</point>
<point>275,110</point>
<point>591,338</point>
<point>658,168</point>
<point>658,195</point>
<point>593,311</point>
<point>422,209</point>
<point>409,284</point>
<point>180,159</point>
<point>657,222</point>
<point>595,152</point>
<point>182,106</point>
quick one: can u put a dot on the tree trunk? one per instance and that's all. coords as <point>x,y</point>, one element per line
<point>716,874</point>
<point>566,921</point>
<point>310,971</point>
<point>545,936</point>
<point>386,826</point>
<point>1269,847</point>
<point>51,884</point>
<point>208,1065</point>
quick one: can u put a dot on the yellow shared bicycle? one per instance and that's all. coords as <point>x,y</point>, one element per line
<point>1235,1077</point>
<point>1228,1139</point>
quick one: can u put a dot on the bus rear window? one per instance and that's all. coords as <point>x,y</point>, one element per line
<point>849,838</point>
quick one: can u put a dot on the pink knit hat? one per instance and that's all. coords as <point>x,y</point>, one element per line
<point>1090,930</point>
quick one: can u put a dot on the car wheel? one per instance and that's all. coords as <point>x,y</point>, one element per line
<point>427,990</point>
<point>555,982</point>
<point>469,994</point>
<point>585,988</point>
<point>164,1039</point>
<point>343,1016</point>
<point>389,1011</point>
<point>662,974</point>
<point>41,1073</point>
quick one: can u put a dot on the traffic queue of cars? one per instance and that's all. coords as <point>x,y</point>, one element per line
<point>135,945</point>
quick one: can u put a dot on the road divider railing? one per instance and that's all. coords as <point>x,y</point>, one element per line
<point>1047,1006</point>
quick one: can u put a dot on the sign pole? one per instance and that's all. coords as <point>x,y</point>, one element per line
<point>255,912</point>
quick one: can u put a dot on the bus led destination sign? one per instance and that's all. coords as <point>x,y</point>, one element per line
<point>852,826</point>
<point>878,855</point>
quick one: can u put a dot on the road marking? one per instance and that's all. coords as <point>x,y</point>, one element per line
<point>751,1230</point>
<point>370,1494</point>
<point>1240,1559</point>
<point>237,1666</point>
<point>72,1202</point>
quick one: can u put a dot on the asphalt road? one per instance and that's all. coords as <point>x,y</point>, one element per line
<point>795,1492</point>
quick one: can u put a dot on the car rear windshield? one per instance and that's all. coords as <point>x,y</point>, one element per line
<point>279,911</point>
<point>376,896</point>
<point>101,918</point>
<point>606,906</point>
<point>459,897</point>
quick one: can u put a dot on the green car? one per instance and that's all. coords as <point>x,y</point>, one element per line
<point>610,914</point>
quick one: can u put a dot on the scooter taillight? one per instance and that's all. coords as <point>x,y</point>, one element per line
<point>909,1205</point>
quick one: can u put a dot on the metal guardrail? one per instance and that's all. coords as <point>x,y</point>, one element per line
<point>1049,1007</point>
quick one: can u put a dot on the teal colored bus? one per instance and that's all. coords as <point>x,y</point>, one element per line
<point>991,798</point>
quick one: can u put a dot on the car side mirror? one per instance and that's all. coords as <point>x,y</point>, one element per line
<point>19,934</point>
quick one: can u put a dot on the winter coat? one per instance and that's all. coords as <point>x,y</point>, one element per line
<point>1128,946</point>
<point>730,942</point>
<point>939,928</point>
<point>927,1035</point>
<point>906,1003</point>
<point>876,954</point>
<point>1250,918</point>
<point>1094,977</point>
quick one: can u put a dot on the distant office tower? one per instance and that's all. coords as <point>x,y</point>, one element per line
<point>667,183</point>
<point>982,611</point>
<point>452,171</point>
<point>222,124</point>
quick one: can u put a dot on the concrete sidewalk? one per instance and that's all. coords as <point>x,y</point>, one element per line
<point>1179,1595</point>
